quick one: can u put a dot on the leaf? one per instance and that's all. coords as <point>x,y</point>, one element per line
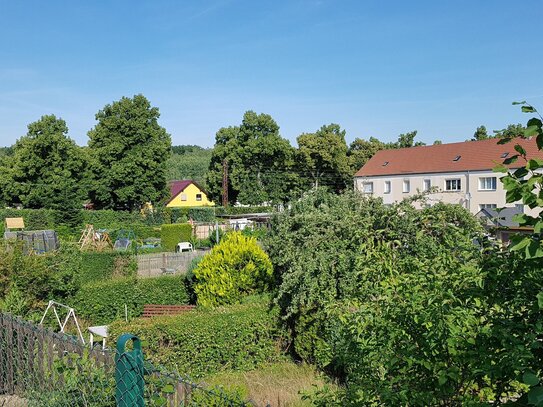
<point>511,159</point>
<point>540,300</point>
<point>530,379</point>
<point>534,250</point>
<point>500,168</point>
<point>531,131</point>
<point>519,103</point>
<point>520,149</point>
<point>528,109</point>
<point>170,389</point>
<point>521,244</point>
<point>535,396</point>
<point>534,164</point>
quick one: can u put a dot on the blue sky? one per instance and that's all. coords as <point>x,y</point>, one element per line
<point>376,68</point>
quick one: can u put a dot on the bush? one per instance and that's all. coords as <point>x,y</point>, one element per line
<point>35,219</point>
<point>236,267</point>
<point>102,266</point>
<point>393,301</point>
<point>103,302</point>
<point>202,214</point>
<point>170,235</point>
<point>202,342</point>
<point>28,282</point>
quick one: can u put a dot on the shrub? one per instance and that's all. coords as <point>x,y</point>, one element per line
<point>27,282</point>
<point>170,235</point>
<point>202,214</point>
<point>236,267</point>
<point>103,302</point>
<point>102,266</point>
<point>202,342</point>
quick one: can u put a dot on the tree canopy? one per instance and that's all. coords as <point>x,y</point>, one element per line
<point>323,157</point>
<point>128,150</point>
<point>47,168</point>
<point>260,162</point>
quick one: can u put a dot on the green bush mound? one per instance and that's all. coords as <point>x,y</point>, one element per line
<point>203,342</point>
<point>170,235</point>
<point>234,268</point>
<point>103,302</point>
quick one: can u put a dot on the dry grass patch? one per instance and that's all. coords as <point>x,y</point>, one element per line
<point>279,384</point>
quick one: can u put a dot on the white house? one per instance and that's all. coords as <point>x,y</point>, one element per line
<point>461,172</point>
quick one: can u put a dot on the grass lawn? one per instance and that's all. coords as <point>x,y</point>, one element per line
<point>278,384</point>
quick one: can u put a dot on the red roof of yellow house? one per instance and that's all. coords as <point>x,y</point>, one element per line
<point>453,157</point>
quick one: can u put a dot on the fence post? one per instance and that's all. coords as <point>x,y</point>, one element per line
<point>129,373</point>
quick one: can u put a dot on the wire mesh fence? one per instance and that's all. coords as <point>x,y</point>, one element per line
<point>39,367</point>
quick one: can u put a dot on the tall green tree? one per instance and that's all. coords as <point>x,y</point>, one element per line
<point>323,157</point>
<point>47,169</point>
<point>260,162</point>
<point>407,140</point>
<point>128,150</point>
<point>480,134</point>
<point>360,151</point>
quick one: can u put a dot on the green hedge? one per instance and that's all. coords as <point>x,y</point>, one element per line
<point>238,210</point>
<point>101,266</point>
<point>35,219</point>
<point>170,235</point>
<point>103,302</point>
<point>202,214</point>
<point>203,342</point>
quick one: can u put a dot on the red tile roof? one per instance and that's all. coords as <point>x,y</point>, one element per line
<point>474,156</point>
<point>176,187</point>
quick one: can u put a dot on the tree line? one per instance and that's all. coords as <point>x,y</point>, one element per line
<point>129,160</point>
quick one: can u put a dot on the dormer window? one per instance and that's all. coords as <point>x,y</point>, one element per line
<point>385,163</point>
<point>457,158</point>
<point>504,155</point>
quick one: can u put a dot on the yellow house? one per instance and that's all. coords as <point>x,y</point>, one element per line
<point>187,193</point>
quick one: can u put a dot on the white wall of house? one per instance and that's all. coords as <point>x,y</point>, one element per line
<point>471,189</point>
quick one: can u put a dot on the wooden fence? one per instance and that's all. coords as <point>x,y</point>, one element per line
<point>158,264</point>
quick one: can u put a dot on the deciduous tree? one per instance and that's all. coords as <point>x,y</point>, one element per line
<point>323,157</point>
<point>47,168</point>
<point>260,162</point>
<point>128,149</point>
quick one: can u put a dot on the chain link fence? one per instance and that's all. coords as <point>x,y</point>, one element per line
<point>42,368</point>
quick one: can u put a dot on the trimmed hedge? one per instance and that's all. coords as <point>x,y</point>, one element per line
<point>170,235</point>
<point>101,266</point>
<point>202,214</point>
<point>203,342</point>
<point>35,219</point>
<point>103,302</point>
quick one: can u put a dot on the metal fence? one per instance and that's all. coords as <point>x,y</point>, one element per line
<point>158,264</point>
<point>41,368</point>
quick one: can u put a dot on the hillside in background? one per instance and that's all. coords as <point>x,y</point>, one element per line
<point>188,162</point>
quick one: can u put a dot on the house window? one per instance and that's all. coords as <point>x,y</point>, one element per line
<point>453,185</point>
<point>487,184</point>
<point>387,187</point>
<point>198,197</point>
<point>488,206</point>
<point>183,197</point>
<point>406,186</point>
<point>367,187</point>
<point>427,185</point>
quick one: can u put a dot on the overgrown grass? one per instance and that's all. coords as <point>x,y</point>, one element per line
<point>279,384</point>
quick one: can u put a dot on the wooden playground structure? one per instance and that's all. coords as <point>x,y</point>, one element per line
<point>94,240</point>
